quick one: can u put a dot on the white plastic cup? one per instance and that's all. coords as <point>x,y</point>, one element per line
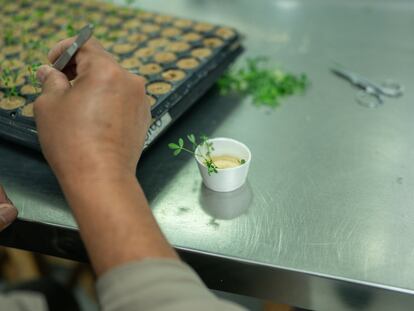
<point>229,179</point>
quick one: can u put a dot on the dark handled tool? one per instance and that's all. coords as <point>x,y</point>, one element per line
<point>84,34</point>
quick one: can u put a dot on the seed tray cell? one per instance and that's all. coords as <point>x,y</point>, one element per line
<point>179,58</point>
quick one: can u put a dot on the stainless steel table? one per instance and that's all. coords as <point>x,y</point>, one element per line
<point>326,220</point>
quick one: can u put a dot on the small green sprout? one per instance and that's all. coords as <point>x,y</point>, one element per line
<point>70,30</point>
<point>112,12</point>
<point>7,77</point>
<point>32,69</point>
<point>265,85</point>
<point>18,18</point>
<point>208,161</point>
<point>11,92</point>
<point>39,13</point>
<point>33,44</point>
<point>10,38</point>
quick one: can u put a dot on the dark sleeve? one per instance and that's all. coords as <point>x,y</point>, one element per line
<point>157,285</point>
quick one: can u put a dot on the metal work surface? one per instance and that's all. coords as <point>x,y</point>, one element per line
<point>329,201</point>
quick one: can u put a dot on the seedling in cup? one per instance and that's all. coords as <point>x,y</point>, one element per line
<point>223,162</point>
<point>208,160</point>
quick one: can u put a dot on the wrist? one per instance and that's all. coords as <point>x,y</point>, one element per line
<point>81,182</point>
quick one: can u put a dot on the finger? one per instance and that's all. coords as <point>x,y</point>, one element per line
<point>60,47</point>
<point>87,53</point>
<point>8,212</point>
<point>54,83</point>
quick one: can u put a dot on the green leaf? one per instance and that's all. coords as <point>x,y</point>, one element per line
<point>173,146</point>
<point>181,142</point>
<point>203,138</point>
<point>242,161</point>
<point>177,152</point>
<point>211,167</point>
<point>191,138</point>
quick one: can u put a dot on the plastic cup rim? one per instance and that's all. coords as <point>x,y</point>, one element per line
<point>231,168</point>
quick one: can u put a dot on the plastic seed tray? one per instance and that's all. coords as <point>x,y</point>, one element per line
<point>179,58</point>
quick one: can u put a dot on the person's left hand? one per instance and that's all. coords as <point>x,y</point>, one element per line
<point>8,212</point>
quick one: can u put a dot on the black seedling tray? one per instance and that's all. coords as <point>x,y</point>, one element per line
<point>157,35</point>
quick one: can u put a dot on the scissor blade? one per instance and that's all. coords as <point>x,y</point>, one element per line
<point>84,34</point>
<point>344,74</point>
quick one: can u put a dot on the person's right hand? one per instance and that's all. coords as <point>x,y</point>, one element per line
<point>92,134</point>
<point>95,127</point>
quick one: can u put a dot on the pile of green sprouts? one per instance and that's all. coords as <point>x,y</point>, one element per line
<point>265,86</point>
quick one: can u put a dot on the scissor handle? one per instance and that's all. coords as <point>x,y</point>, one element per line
<point>392,89</point>
<point>369,98</point>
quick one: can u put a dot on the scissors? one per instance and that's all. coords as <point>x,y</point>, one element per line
<point>84,34</point>
<point>372,94</point>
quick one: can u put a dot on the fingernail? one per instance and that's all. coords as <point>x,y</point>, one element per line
<point>3,196</point>
<point>8,214</point>
<point>42,73</point>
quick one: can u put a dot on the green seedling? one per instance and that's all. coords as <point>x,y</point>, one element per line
<point>70,30</point>
<point>9,38</point>
<point>104,36</point>
<point>39,13</point>
<point>33,44</point>
<point>208,161</point>
<point>32,69</point>
<point>11,92</point>
<point>18,18</point>
<point>112,12</point>
<point>7,77</point>
<point>266,86</point>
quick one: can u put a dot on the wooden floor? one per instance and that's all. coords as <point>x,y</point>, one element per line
<point>17,266</point>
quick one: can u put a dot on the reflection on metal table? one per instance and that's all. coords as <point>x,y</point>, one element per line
<point>326,219</point>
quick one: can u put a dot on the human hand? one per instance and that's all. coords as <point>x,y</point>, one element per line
<point>8,212</point>
<point>96,127</point>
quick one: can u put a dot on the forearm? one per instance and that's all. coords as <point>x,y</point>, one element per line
<point>115,221</point>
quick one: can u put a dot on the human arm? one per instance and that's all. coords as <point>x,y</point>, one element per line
<point>92,135</point>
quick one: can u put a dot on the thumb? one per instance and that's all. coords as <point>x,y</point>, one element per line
<point>8,212</point>
<point>53,81</point>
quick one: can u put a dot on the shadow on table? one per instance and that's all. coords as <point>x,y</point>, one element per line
<point>226,205</point>
<point>158,166</point>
